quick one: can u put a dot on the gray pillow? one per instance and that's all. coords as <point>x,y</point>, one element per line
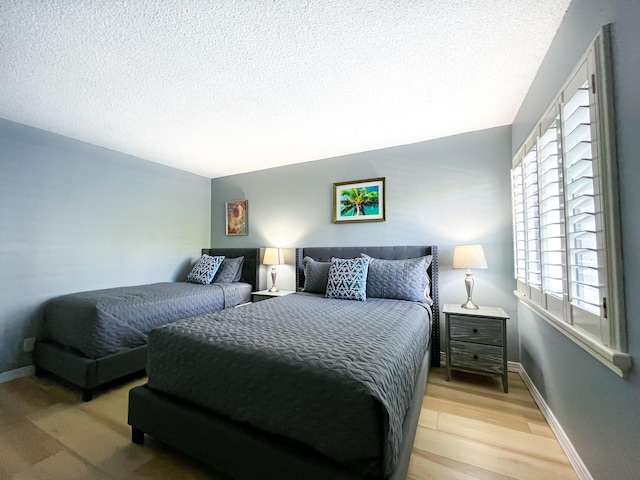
<point>230,271</point>
<point>405,279</point>
<point>316,275</point>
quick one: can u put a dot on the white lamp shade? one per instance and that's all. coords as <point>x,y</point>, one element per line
<point>273,256</point>
<point>469,256</point>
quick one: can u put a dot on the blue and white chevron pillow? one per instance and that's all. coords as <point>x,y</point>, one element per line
<point>348,279</point>
<point>205,269</point>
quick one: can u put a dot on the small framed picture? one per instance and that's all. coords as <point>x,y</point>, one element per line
<point>358,201</point>
<point>237,219</point>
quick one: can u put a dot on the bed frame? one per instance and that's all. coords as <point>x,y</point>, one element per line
<point>246,453</point>
<point>91,373</point>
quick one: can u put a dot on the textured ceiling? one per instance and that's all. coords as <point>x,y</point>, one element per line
<point>223,87</point>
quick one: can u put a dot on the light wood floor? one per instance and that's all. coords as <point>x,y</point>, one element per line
<point>468,429</point>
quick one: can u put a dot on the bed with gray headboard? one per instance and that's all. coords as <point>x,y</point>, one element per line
<point>92,338</point>
<point>310,385</point>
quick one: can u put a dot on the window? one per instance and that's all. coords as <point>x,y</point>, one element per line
<point>565,214</point>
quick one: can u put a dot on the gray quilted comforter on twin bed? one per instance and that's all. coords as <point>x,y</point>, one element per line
<point>337,375</point>
<point>103,322</point>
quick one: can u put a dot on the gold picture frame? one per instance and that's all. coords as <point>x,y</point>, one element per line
<point>237,220</point>
<point>359,201</point>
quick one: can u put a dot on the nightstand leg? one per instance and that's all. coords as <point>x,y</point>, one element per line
<point>447,347</point>
<point>505,369</point>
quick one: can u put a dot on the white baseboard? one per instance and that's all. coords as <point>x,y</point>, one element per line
<point>565,443</point>
<point>17,373</point>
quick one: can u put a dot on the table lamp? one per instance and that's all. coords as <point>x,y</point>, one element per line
<point>273,257</point>
<point>469,256</point>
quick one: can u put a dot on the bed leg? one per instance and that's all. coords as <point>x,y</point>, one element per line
<point>87,395</point>
<point>137,436</point>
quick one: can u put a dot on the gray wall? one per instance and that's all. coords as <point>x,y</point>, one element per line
<point>599,411</point>
<point>79,217</point>
<point>445,192</point>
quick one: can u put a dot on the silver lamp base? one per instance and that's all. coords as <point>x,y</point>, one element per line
<point>469,305</point>
<point>468,283</point>
<point>273,281</point>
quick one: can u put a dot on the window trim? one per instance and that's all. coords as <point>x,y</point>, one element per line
<point>609,184</point>
<point>614,354</point>
<point>618,362</point>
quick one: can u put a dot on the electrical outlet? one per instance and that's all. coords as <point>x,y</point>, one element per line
<point>29,344</point>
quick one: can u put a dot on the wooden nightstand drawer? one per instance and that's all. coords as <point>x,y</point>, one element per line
<point>486,331</point>
<point>476,357</point>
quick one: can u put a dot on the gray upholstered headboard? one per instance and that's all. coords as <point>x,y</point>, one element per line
<point>324,254</point>
<point>250,267</point>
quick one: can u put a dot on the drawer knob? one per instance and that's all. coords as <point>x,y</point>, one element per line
<point>475,330</point>
<point>475,357</point>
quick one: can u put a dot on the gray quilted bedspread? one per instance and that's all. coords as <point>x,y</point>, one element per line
<point>337,375</point>
<point>103,322</point>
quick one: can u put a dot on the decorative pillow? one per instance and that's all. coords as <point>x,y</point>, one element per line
<point>238,276</point>
<point>316,275</point>
<point>348,279</point>
<point>205,269</point>
<point>405,279</point>
<point>230,270</point>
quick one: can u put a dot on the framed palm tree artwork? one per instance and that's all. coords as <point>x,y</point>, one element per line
<point>359,201</point>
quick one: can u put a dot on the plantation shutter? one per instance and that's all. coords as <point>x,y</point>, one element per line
<point>519,228</point>
<point>567,255</point>
<point>584,239</point>
<point>532,220</point>
<point>552,234</point>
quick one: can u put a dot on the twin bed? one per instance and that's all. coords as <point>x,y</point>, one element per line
<point>92,338</point>
<point>302,386</point>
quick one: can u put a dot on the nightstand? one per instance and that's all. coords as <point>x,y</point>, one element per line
<point>266,294</point>
<point>477,341</point>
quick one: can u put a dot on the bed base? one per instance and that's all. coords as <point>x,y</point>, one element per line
<point>88,373</point>
<point>244,452</point>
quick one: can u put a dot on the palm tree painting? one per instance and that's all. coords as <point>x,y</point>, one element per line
<point>359,201</point>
